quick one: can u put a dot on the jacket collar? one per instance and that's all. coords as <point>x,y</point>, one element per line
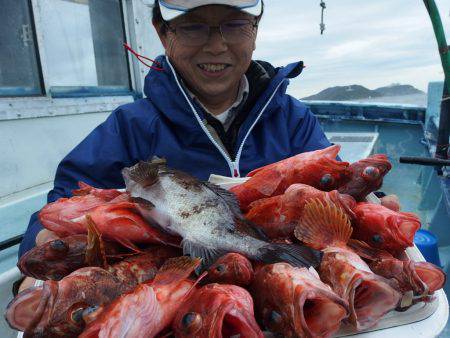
<point>165,91</point>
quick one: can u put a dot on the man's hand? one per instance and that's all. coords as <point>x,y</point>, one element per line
<point>391,202</point>
<point>28,282</point>
<point>45,236</point>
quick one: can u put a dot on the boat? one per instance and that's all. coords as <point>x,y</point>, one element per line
<point>43,118</point>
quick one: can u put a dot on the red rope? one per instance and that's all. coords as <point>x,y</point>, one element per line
<point>139,56</point>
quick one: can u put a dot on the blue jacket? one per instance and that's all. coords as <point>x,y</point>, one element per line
<point>169,124</point>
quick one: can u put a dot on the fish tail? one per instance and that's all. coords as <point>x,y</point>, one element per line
<point>366,251</point>
<point>176,268</point>
<point>323,225</point>
<point>296,255</point>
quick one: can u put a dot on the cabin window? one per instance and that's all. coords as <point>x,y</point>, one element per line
<point>82,42</point>
<point>19,68</point>
<point>78,43</point>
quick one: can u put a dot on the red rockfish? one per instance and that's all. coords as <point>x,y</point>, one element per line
<point>319,169</point>
<point>277,216</point>
<point>384,228</point>
<point>327,228</point>
<point>217,311</point>
<point>294,302</point>
<point>149,308</point>
<point>367,176</point>
<point>232,268</point>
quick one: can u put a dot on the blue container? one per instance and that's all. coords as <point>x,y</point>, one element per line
<point>427,243</point>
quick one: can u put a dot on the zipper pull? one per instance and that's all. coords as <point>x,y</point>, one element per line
<point>235,170</point>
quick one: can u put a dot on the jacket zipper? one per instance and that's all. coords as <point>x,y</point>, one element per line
<point>234,166</point>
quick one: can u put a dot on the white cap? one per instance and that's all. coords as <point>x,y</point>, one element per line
<point>170,9</point>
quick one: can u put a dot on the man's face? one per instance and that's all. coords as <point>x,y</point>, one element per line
<point>215,68</point>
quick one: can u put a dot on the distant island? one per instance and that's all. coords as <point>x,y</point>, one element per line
<point>359,93</point>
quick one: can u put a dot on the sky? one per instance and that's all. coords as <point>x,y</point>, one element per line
<point>371,43</point>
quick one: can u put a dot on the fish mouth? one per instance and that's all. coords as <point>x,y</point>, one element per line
<point>31,309</point>
<point>234,324</point>
<point>380,161</point>
<point>407,230</point>
<point>370,299</point>
<point>321,314</point>
<point>30,266</point>
<point>433,277</point>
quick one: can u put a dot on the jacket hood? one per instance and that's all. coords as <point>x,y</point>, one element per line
<point>165,91</point>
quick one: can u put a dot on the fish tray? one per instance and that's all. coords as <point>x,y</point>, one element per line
<point>393,324</point>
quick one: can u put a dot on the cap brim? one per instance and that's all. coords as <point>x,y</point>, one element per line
<point>171,13</point>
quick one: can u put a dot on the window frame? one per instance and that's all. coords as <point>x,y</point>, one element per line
<point>40,90</point>
<point>136,18</point>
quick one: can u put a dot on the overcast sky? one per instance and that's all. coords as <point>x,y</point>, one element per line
<point>371,43</point>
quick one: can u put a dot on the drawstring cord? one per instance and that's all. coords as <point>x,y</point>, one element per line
<point>140,57</point>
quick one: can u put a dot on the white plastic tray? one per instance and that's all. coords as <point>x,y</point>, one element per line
<point>420,320</point>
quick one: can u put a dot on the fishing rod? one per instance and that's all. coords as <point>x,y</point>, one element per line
<point>444,52</point>
<point>442,144</point>
<point>425,161</point>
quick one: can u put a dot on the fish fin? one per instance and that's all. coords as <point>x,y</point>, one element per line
<point>243,225</point>
<point>413,216</point>
<point>122,205</point>
<point>144,173</point>
<point>314,272</point>
<point>84,189</point>
<point>257,170</point>
<point>208,256</point>
<point>346,201</point>
<point>128,244</point>
<point>175,269</point>
<point>143,202</point>
<point>193,287</point>
<point>366,251</point>
<point>226,195</point>
<point>323,225</point>
<point>264,202</point>
<point>95,248</point>
<point>266,183</point>
<point>152,215</point>
<point>296,255</point>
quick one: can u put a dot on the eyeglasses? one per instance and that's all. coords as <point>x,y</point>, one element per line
<point>197,34</point>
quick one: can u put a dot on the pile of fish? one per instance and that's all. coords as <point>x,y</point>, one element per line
<point>295,251</point>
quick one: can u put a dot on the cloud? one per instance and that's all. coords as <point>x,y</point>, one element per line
<point>373,44</point>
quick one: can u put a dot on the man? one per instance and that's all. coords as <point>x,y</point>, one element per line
<point>210,110</point>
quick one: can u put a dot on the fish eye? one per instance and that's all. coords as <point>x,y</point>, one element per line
<point>275,317</point>
<point>57,276</point>
<point>326,181</point>
<point>77,315</point>
<point>377,239</point>
<point>89,310</point>
<point>191,322</point>
<point>59,245</point>
<point>370,173</point>
<point>220,268</point>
